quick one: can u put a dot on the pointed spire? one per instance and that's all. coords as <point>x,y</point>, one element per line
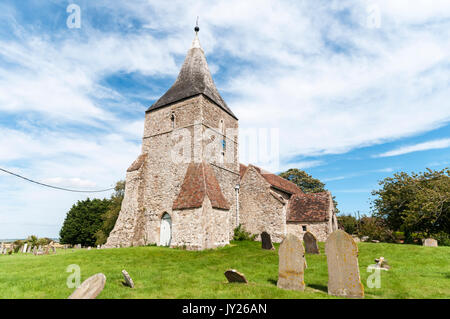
<point>194,79</point>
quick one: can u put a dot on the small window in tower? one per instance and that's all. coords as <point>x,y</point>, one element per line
<point>221,128</point>
<point>304,228</point>
<point>172,119</point>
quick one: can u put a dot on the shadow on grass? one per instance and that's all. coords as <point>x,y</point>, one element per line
<point>318,287</point>
<point>272,281</point>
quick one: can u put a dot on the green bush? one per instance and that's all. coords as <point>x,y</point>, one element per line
<point>240,234</point>
<point>348,223</point>
<point>375,229</point>
<point>442,238</point>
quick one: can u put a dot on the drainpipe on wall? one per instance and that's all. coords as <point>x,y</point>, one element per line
<point>237,204</point>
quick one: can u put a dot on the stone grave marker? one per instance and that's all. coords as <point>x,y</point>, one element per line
<point>266,241</point>
<point>25,247</point>
<point>29,249</point>
<point>90,288</point>
<point>291,264</point>
<point>430,242</point>
<point>311,245</point>
<point>235,276</point>
<point>54,249</point>
<point>343,269</point>
<point>128,281</point>
<point>34,250</point>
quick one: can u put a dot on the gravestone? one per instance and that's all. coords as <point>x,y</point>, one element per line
<point>89,248</point>
<point>430,242</point>
<point>25,247</point>
<point>90,288</point>
<point>266,241</point>
<point>34,250</point>
<point>343,269</point>
<point>381,264</point>
<point>39,249</point>
<point>46,250</point>
<point>128,281</point>
<point>291,264</point>
<point>235,276</point>
<point>54,249</point>
<point>310,241</point>
<point>29,249</point>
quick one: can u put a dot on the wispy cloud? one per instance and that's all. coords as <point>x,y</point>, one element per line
<point>425,146</point>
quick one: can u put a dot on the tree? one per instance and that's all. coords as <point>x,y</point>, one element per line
<point>349,223</point>
<point>416,203</point>
<point>306,183</point>
<point>109,218</point>
<point>83,221</point>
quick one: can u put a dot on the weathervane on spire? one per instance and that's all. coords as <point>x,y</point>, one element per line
<point>196,29</point>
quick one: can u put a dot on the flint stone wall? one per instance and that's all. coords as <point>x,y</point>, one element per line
<point>151,190</point>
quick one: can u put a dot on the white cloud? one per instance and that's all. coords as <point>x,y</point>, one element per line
<point>330,85</point>
<point>430,145</point>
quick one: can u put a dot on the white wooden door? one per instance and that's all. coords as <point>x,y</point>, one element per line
<point>166,231</point>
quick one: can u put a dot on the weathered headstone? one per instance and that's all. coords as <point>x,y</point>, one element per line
<point>54,249</point>
<point>430,242</point>
<point>25,246</point>
<point>89,248</point>
<point>235,276</point>
<point>34,250</point>
<point>128,281</point>
<point>343,269</point>
<point>291,264</point>
<point>90,288</point>
<point>266,241</point>
<point>29,249</point>
<point>311,245</point>
<point>47,248</point>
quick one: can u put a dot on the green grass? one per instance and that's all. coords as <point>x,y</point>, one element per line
<point>417,272</point>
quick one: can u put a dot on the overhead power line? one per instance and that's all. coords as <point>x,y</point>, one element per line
<point>55,187</point>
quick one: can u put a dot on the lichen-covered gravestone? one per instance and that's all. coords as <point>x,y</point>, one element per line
<point>430,242</point>
<point>266,241</point>
<point>291,264</point>
<point>128,281</point>
<point>235,276</point>
<point>90,288</point>
<point>310,241</point>
<point>343,269</point>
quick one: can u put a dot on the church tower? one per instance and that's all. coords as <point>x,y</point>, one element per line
<point>181,190</point>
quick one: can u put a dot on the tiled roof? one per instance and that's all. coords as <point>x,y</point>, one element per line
<point>194,79</point>
<point>274,180</point>
<point>311,207</point>
<point>137,163</point>
<point>200,181</point>
<point>242,169</point>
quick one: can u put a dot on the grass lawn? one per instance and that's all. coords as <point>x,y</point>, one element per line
<point>417,272</point>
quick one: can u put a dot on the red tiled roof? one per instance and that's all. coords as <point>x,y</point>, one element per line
<point>242,169</point>
<point>137,163</point>
<point>311,207</point>
<point>200,181</point>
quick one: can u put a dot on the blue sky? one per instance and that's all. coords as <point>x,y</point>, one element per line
<point>358,90</point>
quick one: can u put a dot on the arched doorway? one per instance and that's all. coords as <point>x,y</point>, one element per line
<point>165,235</point>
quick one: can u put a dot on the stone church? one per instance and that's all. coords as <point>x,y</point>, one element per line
<point>188,189</point>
